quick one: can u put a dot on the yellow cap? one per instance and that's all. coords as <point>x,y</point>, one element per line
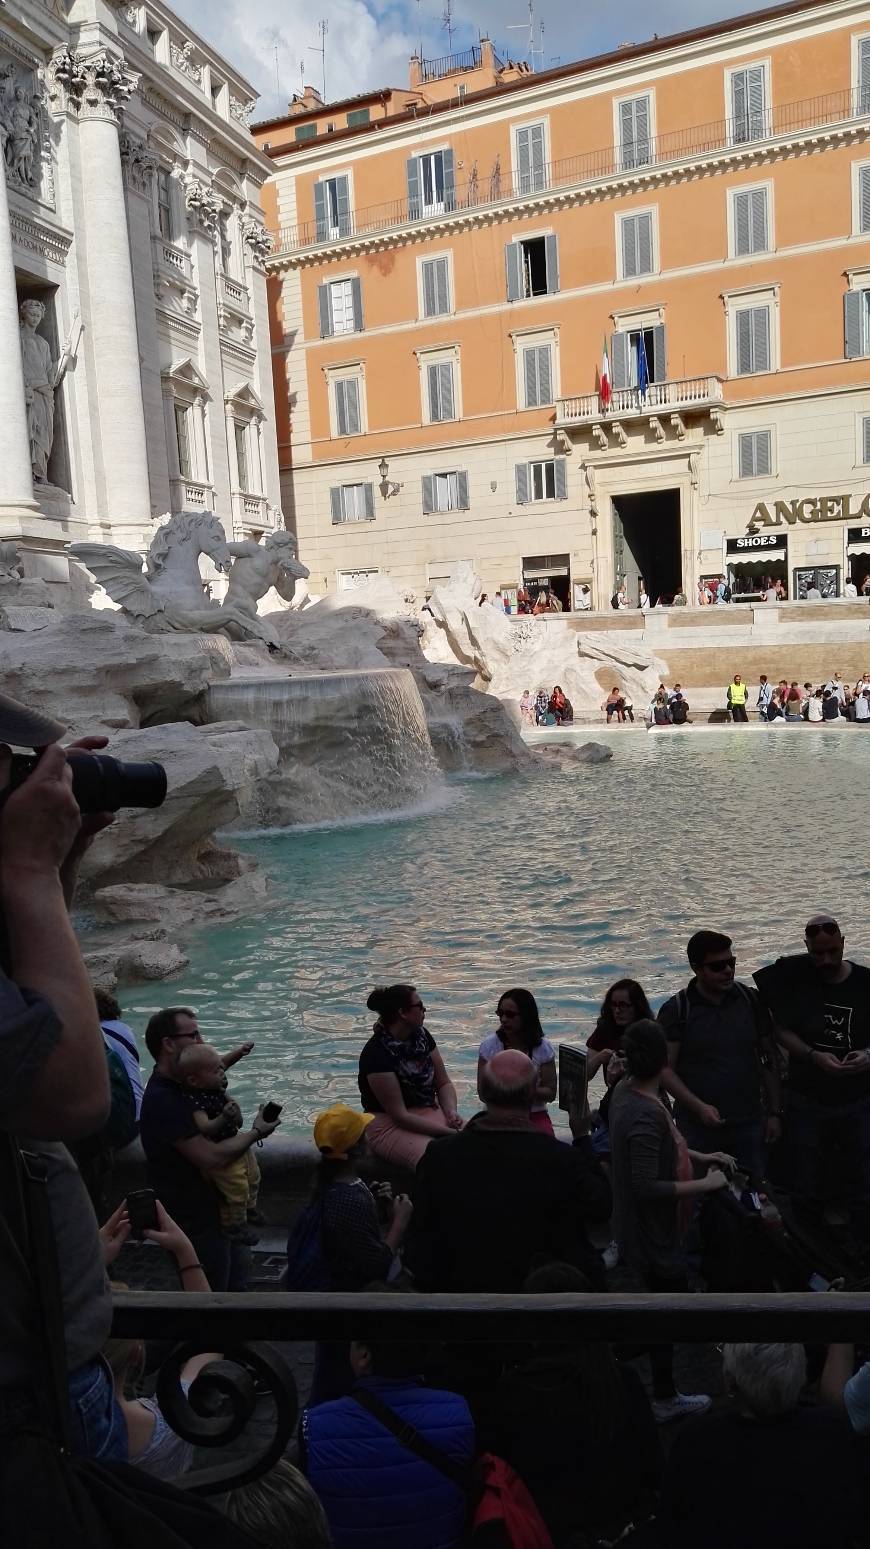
<point>337,1130</point>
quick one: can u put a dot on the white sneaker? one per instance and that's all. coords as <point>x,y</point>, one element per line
<point>679,1406</point>
<point>610,1255</point>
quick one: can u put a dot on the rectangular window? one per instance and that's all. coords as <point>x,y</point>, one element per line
<point>532,268</point>
<point>636,241</point>
<point>332,208</point>
<point>752,326</point>
<point>357,117</point>
<point>340,307</point>
<point>352,502</point>
<point>241,434</point>
<point>348,418</point>
<point>750,223</point>
<point>635,350</point>
<point>864,200</point>
<point>182,438</point>
<point>435,274</point>
<point>635,148</point>
<point>445,492</point>
<point>538,375</point>
<point>531,158</point>
<point>431,185</point>
<point>546,480</point>
<point>754,454</point>
<point>305,131</point>
<point>164,204</point>
<point>864,75</point>
<point>748,105</point>
<point>439,389</point>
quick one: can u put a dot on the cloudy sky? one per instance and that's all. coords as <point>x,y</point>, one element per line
<point>369,42</point>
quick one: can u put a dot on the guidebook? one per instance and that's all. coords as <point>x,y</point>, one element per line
<point>572,1077</point>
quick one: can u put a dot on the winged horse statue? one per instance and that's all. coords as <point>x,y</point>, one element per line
<point>169,592</point>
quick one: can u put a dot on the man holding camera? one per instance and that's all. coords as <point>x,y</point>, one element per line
<point>53,1085</point>
<point>180,1158</point>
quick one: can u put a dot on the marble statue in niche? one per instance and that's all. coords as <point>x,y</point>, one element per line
<point>20,128</point>
<point>42,377</point>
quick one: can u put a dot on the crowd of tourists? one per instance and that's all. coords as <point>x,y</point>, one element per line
<point>541,1442</point>
<point>546,708</point>
<point>835,700</point>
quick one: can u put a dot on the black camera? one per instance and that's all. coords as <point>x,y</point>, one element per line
<point>101,783</point>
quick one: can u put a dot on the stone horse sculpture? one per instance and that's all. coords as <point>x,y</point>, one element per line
<point>169,593</point>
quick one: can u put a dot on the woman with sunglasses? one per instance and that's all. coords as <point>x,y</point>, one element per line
<point>519,1027</point>
<point>402,1079</point>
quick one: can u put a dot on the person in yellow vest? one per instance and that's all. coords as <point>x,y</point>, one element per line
<point>737,698</point>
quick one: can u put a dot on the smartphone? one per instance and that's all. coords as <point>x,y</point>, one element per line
<point>271,1112</point>
<point>142,1210</point>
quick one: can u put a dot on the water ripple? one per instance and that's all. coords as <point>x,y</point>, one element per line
<point>562,883</point>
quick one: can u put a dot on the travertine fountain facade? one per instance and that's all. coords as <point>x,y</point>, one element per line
<point>134,337</point>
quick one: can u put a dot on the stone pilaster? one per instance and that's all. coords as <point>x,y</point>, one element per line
<point>16,478</point>
<point>92,90</point>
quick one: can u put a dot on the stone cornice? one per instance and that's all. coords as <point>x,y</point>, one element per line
<point>742,157</point>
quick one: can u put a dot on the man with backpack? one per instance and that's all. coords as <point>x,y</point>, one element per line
<point>722,1058</point>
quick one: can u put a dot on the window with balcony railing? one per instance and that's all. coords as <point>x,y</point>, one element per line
<point>748,104</point>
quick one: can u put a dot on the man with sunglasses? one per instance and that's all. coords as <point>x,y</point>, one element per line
<point>820,1003</point>
<point>722,1056</point>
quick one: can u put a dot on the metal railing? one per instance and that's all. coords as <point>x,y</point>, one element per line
<point>451,64</point>
<point>223,1401</point>
<point>630,403</point>
<point>500,186</point>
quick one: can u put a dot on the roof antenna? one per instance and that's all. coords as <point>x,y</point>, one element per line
<point>447,24</point>
<point>320,48</point>
<point>529,28</point>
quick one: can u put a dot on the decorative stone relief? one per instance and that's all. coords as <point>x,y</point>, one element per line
<point>96,86</point>
<point>24,137</point>
<point>138,163</point>
<point>257,238</point>
<point>184,60</point>
<point>242,108</point>
<point>202,204</point>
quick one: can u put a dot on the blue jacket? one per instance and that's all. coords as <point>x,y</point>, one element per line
<point>375,1492</point>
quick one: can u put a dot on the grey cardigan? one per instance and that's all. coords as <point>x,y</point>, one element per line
<point>644,1162</point>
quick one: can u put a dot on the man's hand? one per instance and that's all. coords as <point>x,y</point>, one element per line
<point>232,1111</point>
<point>402,1212</point>
<point>454,1121</point>
<point>262,1127</point>
<point>709,1115</point>
<point>41,819</point>
<point>579,1120</point>
<point>712,1181</point>
<point>858,1059</point>
<point>829,1063</point>
<point>114,1234</point>
<point>722,1159</point>
<point>772,1129</point>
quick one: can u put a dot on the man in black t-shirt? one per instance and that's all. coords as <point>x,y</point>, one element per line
<point>820,1002</point>
<point>180,1158</point>
<point>499,1198</point>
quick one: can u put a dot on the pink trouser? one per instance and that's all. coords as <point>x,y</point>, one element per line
<point>402,1147</point>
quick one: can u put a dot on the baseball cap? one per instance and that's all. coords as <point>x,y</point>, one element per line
<point>337,1130</point>
<point>26,728</point>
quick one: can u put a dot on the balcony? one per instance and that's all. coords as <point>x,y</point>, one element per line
<point>451,64</point>
<point>190,495</point>
<point>671,401</point>
<point>250,511</point>
<point>235,294</point>
<point>743,141</point>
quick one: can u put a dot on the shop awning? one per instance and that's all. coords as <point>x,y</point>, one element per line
<point>544,575</point>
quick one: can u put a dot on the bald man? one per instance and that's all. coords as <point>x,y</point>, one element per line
<point>820,1003</point>
<point>496,1200</point>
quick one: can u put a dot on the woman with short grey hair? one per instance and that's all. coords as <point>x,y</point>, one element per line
<point>765,1380</point>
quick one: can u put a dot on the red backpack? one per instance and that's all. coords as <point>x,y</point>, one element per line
<point>501,1512</point>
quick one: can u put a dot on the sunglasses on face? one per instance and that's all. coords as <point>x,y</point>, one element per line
<point>621,1005</point>
<point>824,928</point>
<point>718,965</point>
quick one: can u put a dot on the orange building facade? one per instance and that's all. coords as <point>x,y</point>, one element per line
<point>448,275</point>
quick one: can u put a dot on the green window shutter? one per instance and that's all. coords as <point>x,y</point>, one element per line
<point>413,176</point>
<point>462,491</point>
<point>356,298</point>
<point>428,494</point>
<point>619,357</point>
<point>659,362</point>
<point>321,212</point>
<point>560,473</point>
<point>551,248</point>
<point>325,311</point>
<point>335,502</point>
<point>854,306</point>
<point>522,481</point>
<point>514,264</point>
<point>369,498</point>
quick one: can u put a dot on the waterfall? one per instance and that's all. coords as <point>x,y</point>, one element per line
<point>351,743</point>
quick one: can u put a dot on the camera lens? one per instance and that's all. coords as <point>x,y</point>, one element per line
<point>104,784</point>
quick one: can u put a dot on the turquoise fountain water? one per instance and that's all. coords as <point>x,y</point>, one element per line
<point>562,882</point>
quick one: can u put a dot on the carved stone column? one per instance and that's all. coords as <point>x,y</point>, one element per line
<point>16,479</point>
<point>92,90</point>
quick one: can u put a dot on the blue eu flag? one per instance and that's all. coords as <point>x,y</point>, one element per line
<point>642,368</point>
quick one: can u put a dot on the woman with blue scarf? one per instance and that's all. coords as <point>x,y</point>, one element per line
<point>402,1079</point>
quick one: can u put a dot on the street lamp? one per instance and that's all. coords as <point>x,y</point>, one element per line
<point>388,487</point>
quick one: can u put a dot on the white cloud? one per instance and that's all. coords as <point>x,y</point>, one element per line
<point>370,42</point>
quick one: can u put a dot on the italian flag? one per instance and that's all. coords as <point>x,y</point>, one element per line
<point>605,390</point>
